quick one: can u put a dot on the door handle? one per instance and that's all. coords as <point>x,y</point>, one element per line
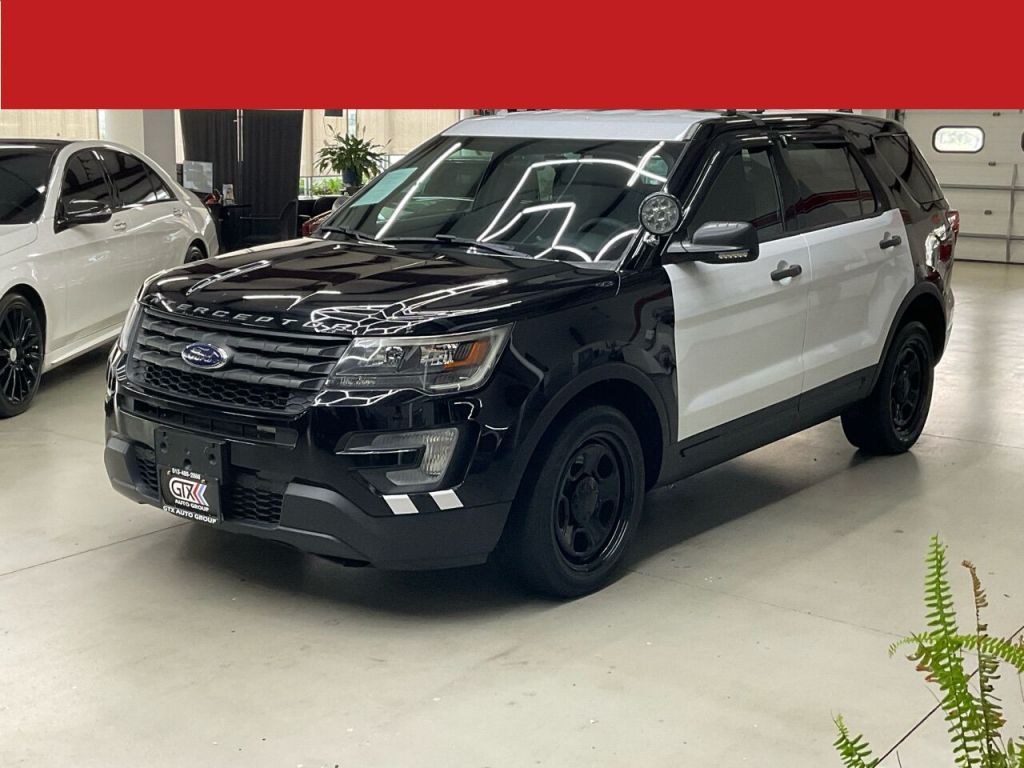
<point>178,211</point>
<point>120,226</point>
<point>890,242</point>
<point>783,271</point>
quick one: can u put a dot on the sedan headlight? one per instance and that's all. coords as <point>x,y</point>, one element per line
<point>424,363</point>
<point>128,329</point>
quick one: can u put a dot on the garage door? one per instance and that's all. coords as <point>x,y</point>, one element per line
<point>977,156</point>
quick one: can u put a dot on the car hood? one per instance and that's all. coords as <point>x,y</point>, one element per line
<point>355,289</point>
<point>14,236</point>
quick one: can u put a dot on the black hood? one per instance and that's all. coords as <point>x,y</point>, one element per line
<point>353,289</point>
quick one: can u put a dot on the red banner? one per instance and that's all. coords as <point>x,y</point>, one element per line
<point>529,54</point>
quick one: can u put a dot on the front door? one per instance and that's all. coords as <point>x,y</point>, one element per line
<point>92,254</point>
<point>739,332</point>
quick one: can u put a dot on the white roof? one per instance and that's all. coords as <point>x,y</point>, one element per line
<point>640,124</point>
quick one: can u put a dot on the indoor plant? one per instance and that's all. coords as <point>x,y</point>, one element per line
<point>354,157</point>
<point>973,714</point>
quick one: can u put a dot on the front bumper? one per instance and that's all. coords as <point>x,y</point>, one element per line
<point>305,496</point>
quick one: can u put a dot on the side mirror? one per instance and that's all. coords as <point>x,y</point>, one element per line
<point>85,212</point>
<point>717,242</point>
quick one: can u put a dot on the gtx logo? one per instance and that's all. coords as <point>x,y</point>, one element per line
<point>189,492</point>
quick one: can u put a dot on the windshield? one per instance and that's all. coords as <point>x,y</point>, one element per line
<point>567,199</point>
<point>24,173</point>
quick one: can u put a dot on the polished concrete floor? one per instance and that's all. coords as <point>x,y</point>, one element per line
<point>760,600</point>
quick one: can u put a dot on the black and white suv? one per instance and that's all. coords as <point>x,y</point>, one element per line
<point>503,341</point>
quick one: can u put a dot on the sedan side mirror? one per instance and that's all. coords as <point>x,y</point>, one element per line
<point>717,242</point>
<point>85,212</point>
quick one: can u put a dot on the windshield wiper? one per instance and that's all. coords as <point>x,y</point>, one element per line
<point>348,231</point>
<point>464,241</point>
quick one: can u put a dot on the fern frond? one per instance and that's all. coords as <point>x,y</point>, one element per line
<point>942,660</point>
<point>1006,650</point>
<point>990,711</point>
<point>853,750</point>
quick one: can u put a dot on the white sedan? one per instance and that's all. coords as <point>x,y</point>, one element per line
<point>82,225</point>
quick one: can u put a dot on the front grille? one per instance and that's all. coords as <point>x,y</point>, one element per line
<point>268,372</point>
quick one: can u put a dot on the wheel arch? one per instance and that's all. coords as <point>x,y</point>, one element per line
<point>924,304</point>
<point>34,298</point>
<point>619,386</point>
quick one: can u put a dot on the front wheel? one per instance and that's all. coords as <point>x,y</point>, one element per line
<point>21,354</point>
<point>892,418</point>
<point>579,505</point>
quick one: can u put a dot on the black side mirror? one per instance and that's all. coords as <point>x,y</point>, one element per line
<point>85,212</point>
<point>717,242</point>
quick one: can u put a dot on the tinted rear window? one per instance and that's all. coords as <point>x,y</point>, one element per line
<point>24,174</point>
<point>906,162</point>
<point>830,185</point>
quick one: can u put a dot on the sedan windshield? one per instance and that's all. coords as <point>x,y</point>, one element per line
<point>24,173</point>
<point>566,199</point>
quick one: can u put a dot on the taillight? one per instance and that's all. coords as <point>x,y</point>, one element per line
<point>953,219</point>
<point>953,229</point>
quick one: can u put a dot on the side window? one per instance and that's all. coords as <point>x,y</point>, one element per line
<point>830,185</point>
<point>744,190</point>
<point>84,179</point>
<point>161,192</point>
<point>903,158</point>
<point>130,177</point>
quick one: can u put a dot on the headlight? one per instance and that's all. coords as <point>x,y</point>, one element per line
<point>423,363</point>
<point>128,329</point>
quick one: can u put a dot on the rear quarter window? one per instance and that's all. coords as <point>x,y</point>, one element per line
<point>903,159</point>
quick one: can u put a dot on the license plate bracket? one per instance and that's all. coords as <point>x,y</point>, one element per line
<point>191,470</point>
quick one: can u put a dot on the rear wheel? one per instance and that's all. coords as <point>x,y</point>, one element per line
<point>892,418</point>
<point>579,505</point>
<point>194,253</point>
<point>21,354</point>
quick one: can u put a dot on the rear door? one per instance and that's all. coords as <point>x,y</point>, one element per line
<point>154,216</point>
<point>860,262</point>
<point>739,332</point>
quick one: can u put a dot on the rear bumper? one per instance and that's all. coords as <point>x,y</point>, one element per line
<point>322,520</point>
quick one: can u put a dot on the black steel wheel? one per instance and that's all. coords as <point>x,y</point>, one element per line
<point>578,506</point>
<point>21,354</point>
<point>892,418</point>
<point>588,515</point>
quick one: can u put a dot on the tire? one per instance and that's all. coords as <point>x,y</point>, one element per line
<point>194,253</point>
<point>892,418</point>
<point>578,506</point>
<point>21,354</point>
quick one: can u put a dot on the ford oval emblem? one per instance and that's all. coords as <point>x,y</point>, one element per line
<point>205,356</point>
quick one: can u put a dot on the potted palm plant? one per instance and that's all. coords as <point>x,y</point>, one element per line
<point>354,157</point>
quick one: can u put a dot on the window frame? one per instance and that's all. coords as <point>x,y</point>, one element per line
<point>730,146</point>
<point>953,151</point>
<point>791,197</point>
<point>115,200</point>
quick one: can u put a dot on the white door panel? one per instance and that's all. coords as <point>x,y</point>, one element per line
<point>739,335</point>
<point>855,289</point>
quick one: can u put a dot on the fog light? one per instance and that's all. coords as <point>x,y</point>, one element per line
<point>438,449</point>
